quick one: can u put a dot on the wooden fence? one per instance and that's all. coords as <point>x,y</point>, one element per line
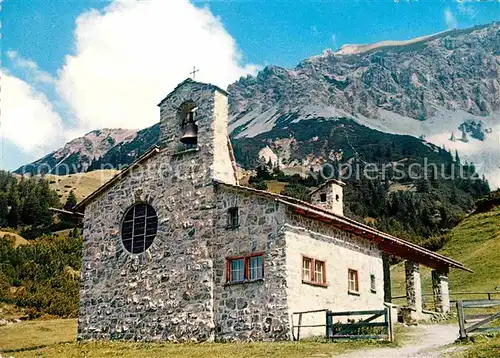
<point>296,328</point>
<point>363,329</point>
<point>480,322</point>
<point>490,295</point>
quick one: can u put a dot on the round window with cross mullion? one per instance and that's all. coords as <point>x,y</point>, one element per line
<point>139,228</point>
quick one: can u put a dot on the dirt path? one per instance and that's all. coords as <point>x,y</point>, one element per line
<point>422,342</point>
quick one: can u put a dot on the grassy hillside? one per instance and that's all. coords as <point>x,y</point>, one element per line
<point>474,242</point>
<point>82,184</point>
<point>18,239</point>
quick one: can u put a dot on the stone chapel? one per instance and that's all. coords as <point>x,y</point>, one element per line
<point>175,249</point>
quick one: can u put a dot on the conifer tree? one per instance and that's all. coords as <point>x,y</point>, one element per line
<point>4,209</point>
<point>71,201</point>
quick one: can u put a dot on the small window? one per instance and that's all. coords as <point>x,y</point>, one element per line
<point>353,282</point>
<point>255,267</point>
<point>373,285</point>
<point>233,220</point>
<point>245,268</point>
<point>319,271</point>
<point>237,270</point>
<point>337,197</point>
<point>306,269</point>
<point>322,197</point>
<point>313,271</point>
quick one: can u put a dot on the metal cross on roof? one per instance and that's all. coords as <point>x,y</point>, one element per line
<point>194,72</point>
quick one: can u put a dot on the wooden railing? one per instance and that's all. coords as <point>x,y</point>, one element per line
<point>479,320</point>
<point>349,330</point>
<point>362,329</point>
<point>296,337</point>
<point>489,295</point>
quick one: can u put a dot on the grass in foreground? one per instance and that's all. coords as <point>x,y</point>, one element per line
<point>481,346</point>
<point>37,333</point>
<point>194,350</point>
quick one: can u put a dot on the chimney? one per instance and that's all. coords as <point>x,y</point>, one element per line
<point>329,196</point>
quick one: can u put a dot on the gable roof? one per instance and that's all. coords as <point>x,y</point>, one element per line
<point>149,154</point>
<point>328,182</point>
<point>193,82</point>
<point>388,243</point>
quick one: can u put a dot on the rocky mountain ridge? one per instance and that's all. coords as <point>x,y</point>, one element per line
<point>78,154</point>
<point>451,71</point>
<point>426,87</point>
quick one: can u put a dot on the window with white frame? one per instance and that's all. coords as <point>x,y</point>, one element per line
<point>237,270</point>
<point>255,267</point>
<point>306,269</point>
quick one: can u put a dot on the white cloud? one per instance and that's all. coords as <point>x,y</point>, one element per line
<point>130,55</point>
<point>449,19</point>
<point>126,58</point>
<point>31,69</point>
<point>28,119</point>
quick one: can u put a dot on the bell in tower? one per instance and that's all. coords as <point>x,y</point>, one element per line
<point>190,135</point>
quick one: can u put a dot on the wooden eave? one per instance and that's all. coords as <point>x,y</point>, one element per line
<point>386,242</point>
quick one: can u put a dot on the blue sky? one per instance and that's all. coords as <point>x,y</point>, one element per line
<point>136,44</point>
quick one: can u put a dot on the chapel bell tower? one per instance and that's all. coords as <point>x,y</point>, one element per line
<point>194,127</point>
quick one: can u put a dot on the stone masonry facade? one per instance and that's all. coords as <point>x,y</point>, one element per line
<point>165,293</point>
<point>176,290</point>
<point>413,286</point>
<point>441,291</point>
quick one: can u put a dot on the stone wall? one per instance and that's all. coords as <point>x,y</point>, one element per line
<point>165,293</point>
<point>441,291</point>
<point>254,310</point>
<point>413,286</point>
<point>341,251</point>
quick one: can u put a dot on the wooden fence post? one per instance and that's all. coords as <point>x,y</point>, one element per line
<point>327,325</point>
<point>298,328</point>
<point>389,320</point>
<point>461,319</point>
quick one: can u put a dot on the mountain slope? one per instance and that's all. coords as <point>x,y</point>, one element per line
<point>475,242</point>
<point>431,87</point>
<point>77,155</point>
<point>415,81</point>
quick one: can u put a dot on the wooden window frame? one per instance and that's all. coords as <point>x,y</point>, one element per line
<point>231,214</point>
<point>246,266</point>
<point>373,283</point>
<point>356,291</point>
<point>312,269</point>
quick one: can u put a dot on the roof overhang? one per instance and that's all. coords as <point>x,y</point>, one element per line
<point>387,243</point>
